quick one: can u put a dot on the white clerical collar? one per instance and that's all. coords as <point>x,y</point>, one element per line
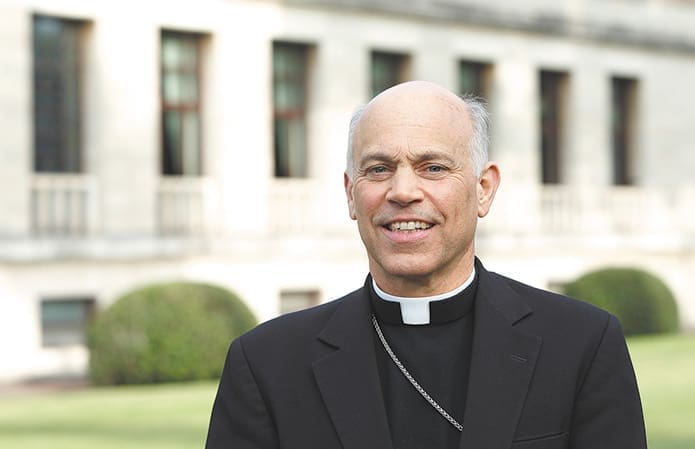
<point>417,310</point>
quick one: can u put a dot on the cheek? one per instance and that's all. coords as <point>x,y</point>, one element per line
<point>456,201</point>
<point>365,199</point>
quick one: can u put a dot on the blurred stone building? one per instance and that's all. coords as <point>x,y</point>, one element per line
<point>158,140</point>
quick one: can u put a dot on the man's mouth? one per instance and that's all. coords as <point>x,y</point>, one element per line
<point>409,226</point>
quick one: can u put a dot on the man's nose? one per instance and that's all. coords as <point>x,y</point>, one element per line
<point>405,187</point>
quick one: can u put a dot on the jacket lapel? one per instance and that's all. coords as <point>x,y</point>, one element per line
<point>348,379</point>
<point>502,364</point>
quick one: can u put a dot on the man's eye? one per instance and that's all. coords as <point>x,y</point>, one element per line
<point>377,169</point>
<point>435,169</point>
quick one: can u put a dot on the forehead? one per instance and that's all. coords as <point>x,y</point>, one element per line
<point>412,125</point>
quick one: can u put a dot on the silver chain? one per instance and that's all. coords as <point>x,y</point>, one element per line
<point>410,378</point>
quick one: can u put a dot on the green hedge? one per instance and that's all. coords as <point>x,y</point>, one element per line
<point>165,333</point>
<point>640,300</point>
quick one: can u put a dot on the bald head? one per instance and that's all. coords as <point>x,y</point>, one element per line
<point>421,103</point>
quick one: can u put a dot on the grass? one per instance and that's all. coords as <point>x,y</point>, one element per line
<point>175,416</point>
<point>665,368</point>
<point>171,416</point>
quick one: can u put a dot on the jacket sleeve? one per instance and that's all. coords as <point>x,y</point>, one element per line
<point>608,411</point>
<point>240,418</point>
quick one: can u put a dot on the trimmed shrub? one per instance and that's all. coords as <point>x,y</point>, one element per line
<point>165,333</point>
<point>640,300</point>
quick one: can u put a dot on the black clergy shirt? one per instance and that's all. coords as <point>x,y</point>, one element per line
<point>438,356</point>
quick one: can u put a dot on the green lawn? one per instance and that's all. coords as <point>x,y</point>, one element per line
<point>159,417</point>
<point>665,369</point>
<point>175,416</point>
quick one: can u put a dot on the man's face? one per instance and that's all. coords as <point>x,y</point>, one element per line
<point>414,192</point>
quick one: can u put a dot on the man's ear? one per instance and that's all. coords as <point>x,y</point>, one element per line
<point>347,182</point>
<point>487,187</point>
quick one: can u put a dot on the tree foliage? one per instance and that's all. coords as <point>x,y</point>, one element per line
<point>166,332</point>
<point>641,301</point>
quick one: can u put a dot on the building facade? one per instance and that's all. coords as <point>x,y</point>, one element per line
<point>153,141</point>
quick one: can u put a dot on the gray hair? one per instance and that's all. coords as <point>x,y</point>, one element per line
<point>478,144</point>
<point>354,121</point>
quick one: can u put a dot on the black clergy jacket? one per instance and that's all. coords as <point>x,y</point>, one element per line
<point>546,372</point>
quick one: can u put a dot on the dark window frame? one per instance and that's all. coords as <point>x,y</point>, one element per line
<point>478,83</point>
<point>290,298</point>
<point>57,87</point>
<point>60,330</point>
<point>290,89</point>
<point>624,93</point>
<point>398,65</point>
<point>552,105</point>
<point>173,154</point>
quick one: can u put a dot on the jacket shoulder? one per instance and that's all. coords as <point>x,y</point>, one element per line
<point>555,310</point>
<point>306,323</point>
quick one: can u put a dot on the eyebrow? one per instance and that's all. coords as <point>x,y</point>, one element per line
<point>432,155</point>
<point>380,156</point>
<point>428,155</point>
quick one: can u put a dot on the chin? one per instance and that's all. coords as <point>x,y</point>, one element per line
<point>403,269</point>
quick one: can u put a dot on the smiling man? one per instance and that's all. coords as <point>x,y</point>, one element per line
<point>415,188</point>
<point>433,351</point>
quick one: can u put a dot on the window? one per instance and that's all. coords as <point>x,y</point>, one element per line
<point>552,92</point>
<point>624,93</point>
<point>294,300</point>
<point>388,69</point>
<point>474,78</point>
<point>290,71</point>
<point>180,87</point>
<point>64,321</point>
<point>57,79</point>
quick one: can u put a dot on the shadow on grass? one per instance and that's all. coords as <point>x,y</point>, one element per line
<point>658,440</point>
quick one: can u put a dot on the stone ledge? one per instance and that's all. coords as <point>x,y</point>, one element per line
<point>549,23</point>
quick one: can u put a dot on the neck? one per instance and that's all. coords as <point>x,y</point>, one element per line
<point>420,286</point>
<point>419,310</point>
<point>437,297</point>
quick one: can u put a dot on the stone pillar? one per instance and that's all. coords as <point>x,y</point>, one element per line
<point>15,114</point>
<point>122,120</point>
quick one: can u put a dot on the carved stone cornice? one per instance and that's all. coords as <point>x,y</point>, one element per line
<point>551,22</point>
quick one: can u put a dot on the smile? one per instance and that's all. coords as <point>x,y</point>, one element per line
<point>409,226</point>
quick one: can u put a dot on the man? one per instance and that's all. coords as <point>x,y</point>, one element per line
<point>433,351</point>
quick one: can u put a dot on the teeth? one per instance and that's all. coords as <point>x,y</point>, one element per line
<point>409,225</point>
